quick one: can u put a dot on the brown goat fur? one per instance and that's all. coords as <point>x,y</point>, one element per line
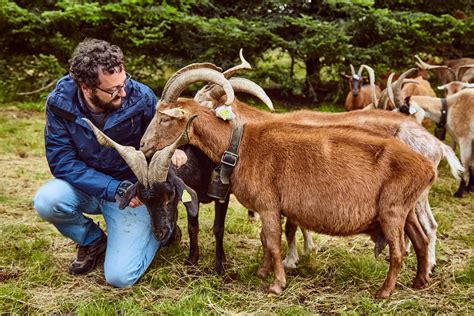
<point>309,174</point>
<point>387,124</point>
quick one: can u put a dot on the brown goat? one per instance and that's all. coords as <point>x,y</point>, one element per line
<point>309,174</point>
<point>359,96</point>
<point>387,124</point>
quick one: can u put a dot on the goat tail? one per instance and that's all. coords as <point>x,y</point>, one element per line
<point>455,165</point>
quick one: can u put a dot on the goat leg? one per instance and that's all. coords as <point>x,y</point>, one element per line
<point>420,244</point>
<point>193,230</point>
<point>470,185</point>
<point>292,254</point>
<point>219,223</point>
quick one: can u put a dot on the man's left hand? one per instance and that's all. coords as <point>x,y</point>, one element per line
<point>179,158</point>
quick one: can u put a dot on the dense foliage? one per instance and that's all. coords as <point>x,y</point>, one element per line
<point>299,47</point>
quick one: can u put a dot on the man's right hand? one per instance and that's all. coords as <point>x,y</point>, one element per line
<point>126,195</point>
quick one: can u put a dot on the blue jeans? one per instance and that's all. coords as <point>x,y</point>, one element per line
<point>131,246</point>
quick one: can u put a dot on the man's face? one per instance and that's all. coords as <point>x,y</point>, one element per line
<point>109,93</point>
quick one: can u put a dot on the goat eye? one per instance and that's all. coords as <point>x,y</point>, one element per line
<point>164,121</point>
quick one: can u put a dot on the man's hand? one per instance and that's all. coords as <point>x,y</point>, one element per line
<point>126,195</point>
<point>179,158</point>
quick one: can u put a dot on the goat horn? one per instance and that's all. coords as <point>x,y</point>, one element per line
<point>205,94</point>
<point>187,68</point>
<point>372,83</point>
<point>135,159</point>
<point>397,93</point>
<point>246,86</point>
<point>182,81</point>
<point>462,70</point>
<point>243,65</point>
<point>161,160</point>
<point>352,70</point>
<point>359,72</point>
<point>390,89</point>
<point>383,100</point>
<point>422,65</point>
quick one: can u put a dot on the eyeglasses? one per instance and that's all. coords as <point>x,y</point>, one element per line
<point>115,90</point>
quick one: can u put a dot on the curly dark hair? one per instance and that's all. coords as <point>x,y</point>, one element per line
<point>92,55</point>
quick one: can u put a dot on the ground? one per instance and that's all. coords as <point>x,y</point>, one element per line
<point>340,276</point>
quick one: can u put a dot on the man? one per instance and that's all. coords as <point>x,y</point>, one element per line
<point>92,179</point>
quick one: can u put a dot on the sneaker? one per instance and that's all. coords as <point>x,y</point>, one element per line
<point>87,256</point>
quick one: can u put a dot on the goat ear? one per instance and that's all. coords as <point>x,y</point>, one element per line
<point>187,195</point>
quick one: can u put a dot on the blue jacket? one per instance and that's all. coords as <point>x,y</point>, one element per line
<point>72,150</point>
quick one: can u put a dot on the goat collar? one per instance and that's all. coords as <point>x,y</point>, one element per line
<point>230,156</point>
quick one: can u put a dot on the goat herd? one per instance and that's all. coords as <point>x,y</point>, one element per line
<point>366,171</point>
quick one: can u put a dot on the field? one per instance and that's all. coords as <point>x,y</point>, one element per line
<point>340,276</point>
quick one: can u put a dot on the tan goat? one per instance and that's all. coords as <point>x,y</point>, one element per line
<point>309,174</point>
<point>459,124</point>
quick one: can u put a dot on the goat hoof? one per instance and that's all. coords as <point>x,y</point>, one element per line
<point>419,283</point>
<point>191,261</point>
<point>262,273</point>
<point>289,264</point>
<point>275,288</point>
<point>458,194</point>
<point>220,270</point>
<point>382,293</point>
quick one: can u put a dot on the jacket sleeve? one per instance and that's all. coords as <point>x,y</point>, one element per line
<point>64,163</point>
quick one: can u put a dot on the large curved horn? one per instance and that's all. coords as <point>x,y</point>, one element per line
<point>243,65</point>
<point>422,65</point>
<point>389,88</point>
<point>135,159</point>
<point>369,69</point>
<point>352,70</point>
<point>397,90</point>
<point>462,70</point>
<point>246,86</point>
<point>359,72</point>
<point>161,160</point>
<point>187,68</point>
<point>185,79</point>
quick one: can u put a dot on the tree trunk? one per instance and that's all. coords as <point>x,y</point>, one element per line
<point>312,77</point>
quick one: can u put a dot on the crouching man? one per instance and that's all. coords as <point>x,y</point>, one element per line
<point>91,179</point>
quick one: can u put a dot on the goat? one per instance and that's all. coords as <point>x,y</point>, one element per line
<point>454,87</point>
<point>161,185</point>
<point>270,177</point>
<point>386,123</point>
<point>461,69</point>
<point>459,123</point>
<point>359,94</point>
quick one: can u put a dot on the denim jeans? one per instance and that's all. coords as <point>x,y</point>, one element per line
<point>131,246</point>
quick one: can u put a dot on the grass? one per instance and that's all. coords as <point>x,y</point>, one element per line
<point>340,277</point>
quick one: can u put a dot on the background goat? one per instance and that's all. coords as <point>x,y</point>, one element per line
<point>359,95</point>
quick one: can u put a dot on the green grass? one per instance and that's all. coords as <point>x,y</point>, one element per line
<point>340,277</point>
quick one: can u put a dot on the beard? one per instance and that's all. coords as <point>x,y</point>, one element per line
<point>113,104</point>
